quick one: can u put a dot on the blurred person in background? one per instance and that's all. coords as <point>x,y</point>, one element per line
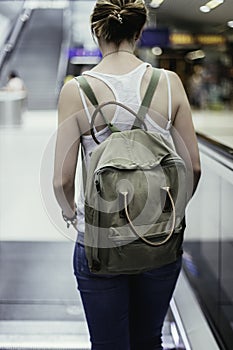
<point>15,83</point>
<point>197,88</point>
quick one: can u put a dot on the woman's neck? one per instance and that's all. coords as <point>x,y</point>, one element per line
<point>117,59</point>
<point>117,52</point>
<point>111,49</point>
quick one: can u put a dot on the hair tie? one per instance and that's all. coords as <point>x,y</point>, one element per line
<point>117,16</point>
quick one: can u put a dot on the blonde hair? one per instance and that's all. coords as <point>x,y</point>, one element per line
<point>118,20</point>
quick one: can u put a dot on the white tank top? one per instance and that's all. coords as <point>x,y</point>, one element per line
<point>126,89</point>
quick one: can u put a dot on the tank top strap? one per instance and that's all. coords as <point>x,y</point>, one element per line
<point>84,102</point>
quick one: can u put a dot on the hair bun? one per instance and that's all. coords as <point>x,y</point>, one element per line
<point>118,20</point>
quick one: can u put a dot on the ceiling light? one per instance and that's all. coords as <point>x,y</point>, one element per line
<point>214,3</point>
<point>156,3</point>
<point>204,9</point>
<point>211,5</point>
<point>195,55</point>
<point>157,51</point>
<point>230,24</point>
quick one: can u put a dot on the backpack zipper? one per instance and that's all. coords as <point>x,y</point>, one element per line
<point>100,170</point>
<point>114,167</point>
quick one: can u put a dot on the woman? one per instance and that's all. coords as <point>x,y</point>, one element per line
<point>124,312</point>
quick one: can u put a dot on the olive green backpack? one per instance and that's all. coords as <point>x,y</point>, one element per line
<point>135,195</point>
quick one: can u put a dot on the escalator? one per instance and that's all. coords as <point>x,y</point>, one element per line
<point>36,57</point>
<point>39,305</point>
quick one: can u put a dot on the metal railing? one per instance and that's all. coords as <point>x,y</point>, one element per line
<point>14,34</point>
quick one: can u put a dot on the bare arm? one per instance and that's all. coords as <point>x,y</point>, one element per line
<point>67,146</point>
<point>183,132</point>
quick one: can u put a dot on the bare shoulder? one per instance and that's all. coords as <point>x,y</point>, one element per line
<point>177,87</point>
<point>69,99</point>
<point>70,91</point>
<point>174,79</point>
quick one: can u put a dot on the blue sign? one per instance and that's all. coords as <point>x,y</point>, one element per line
<point>81,52</point>
<point>152,37</point>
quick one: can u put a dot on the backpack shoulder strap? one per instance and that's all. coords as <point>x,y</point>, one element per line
<point>85,86</point>
<point>148,96</point>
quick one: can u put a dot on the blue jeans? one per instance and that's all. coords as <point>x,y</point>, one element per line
<point>125,312</point>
